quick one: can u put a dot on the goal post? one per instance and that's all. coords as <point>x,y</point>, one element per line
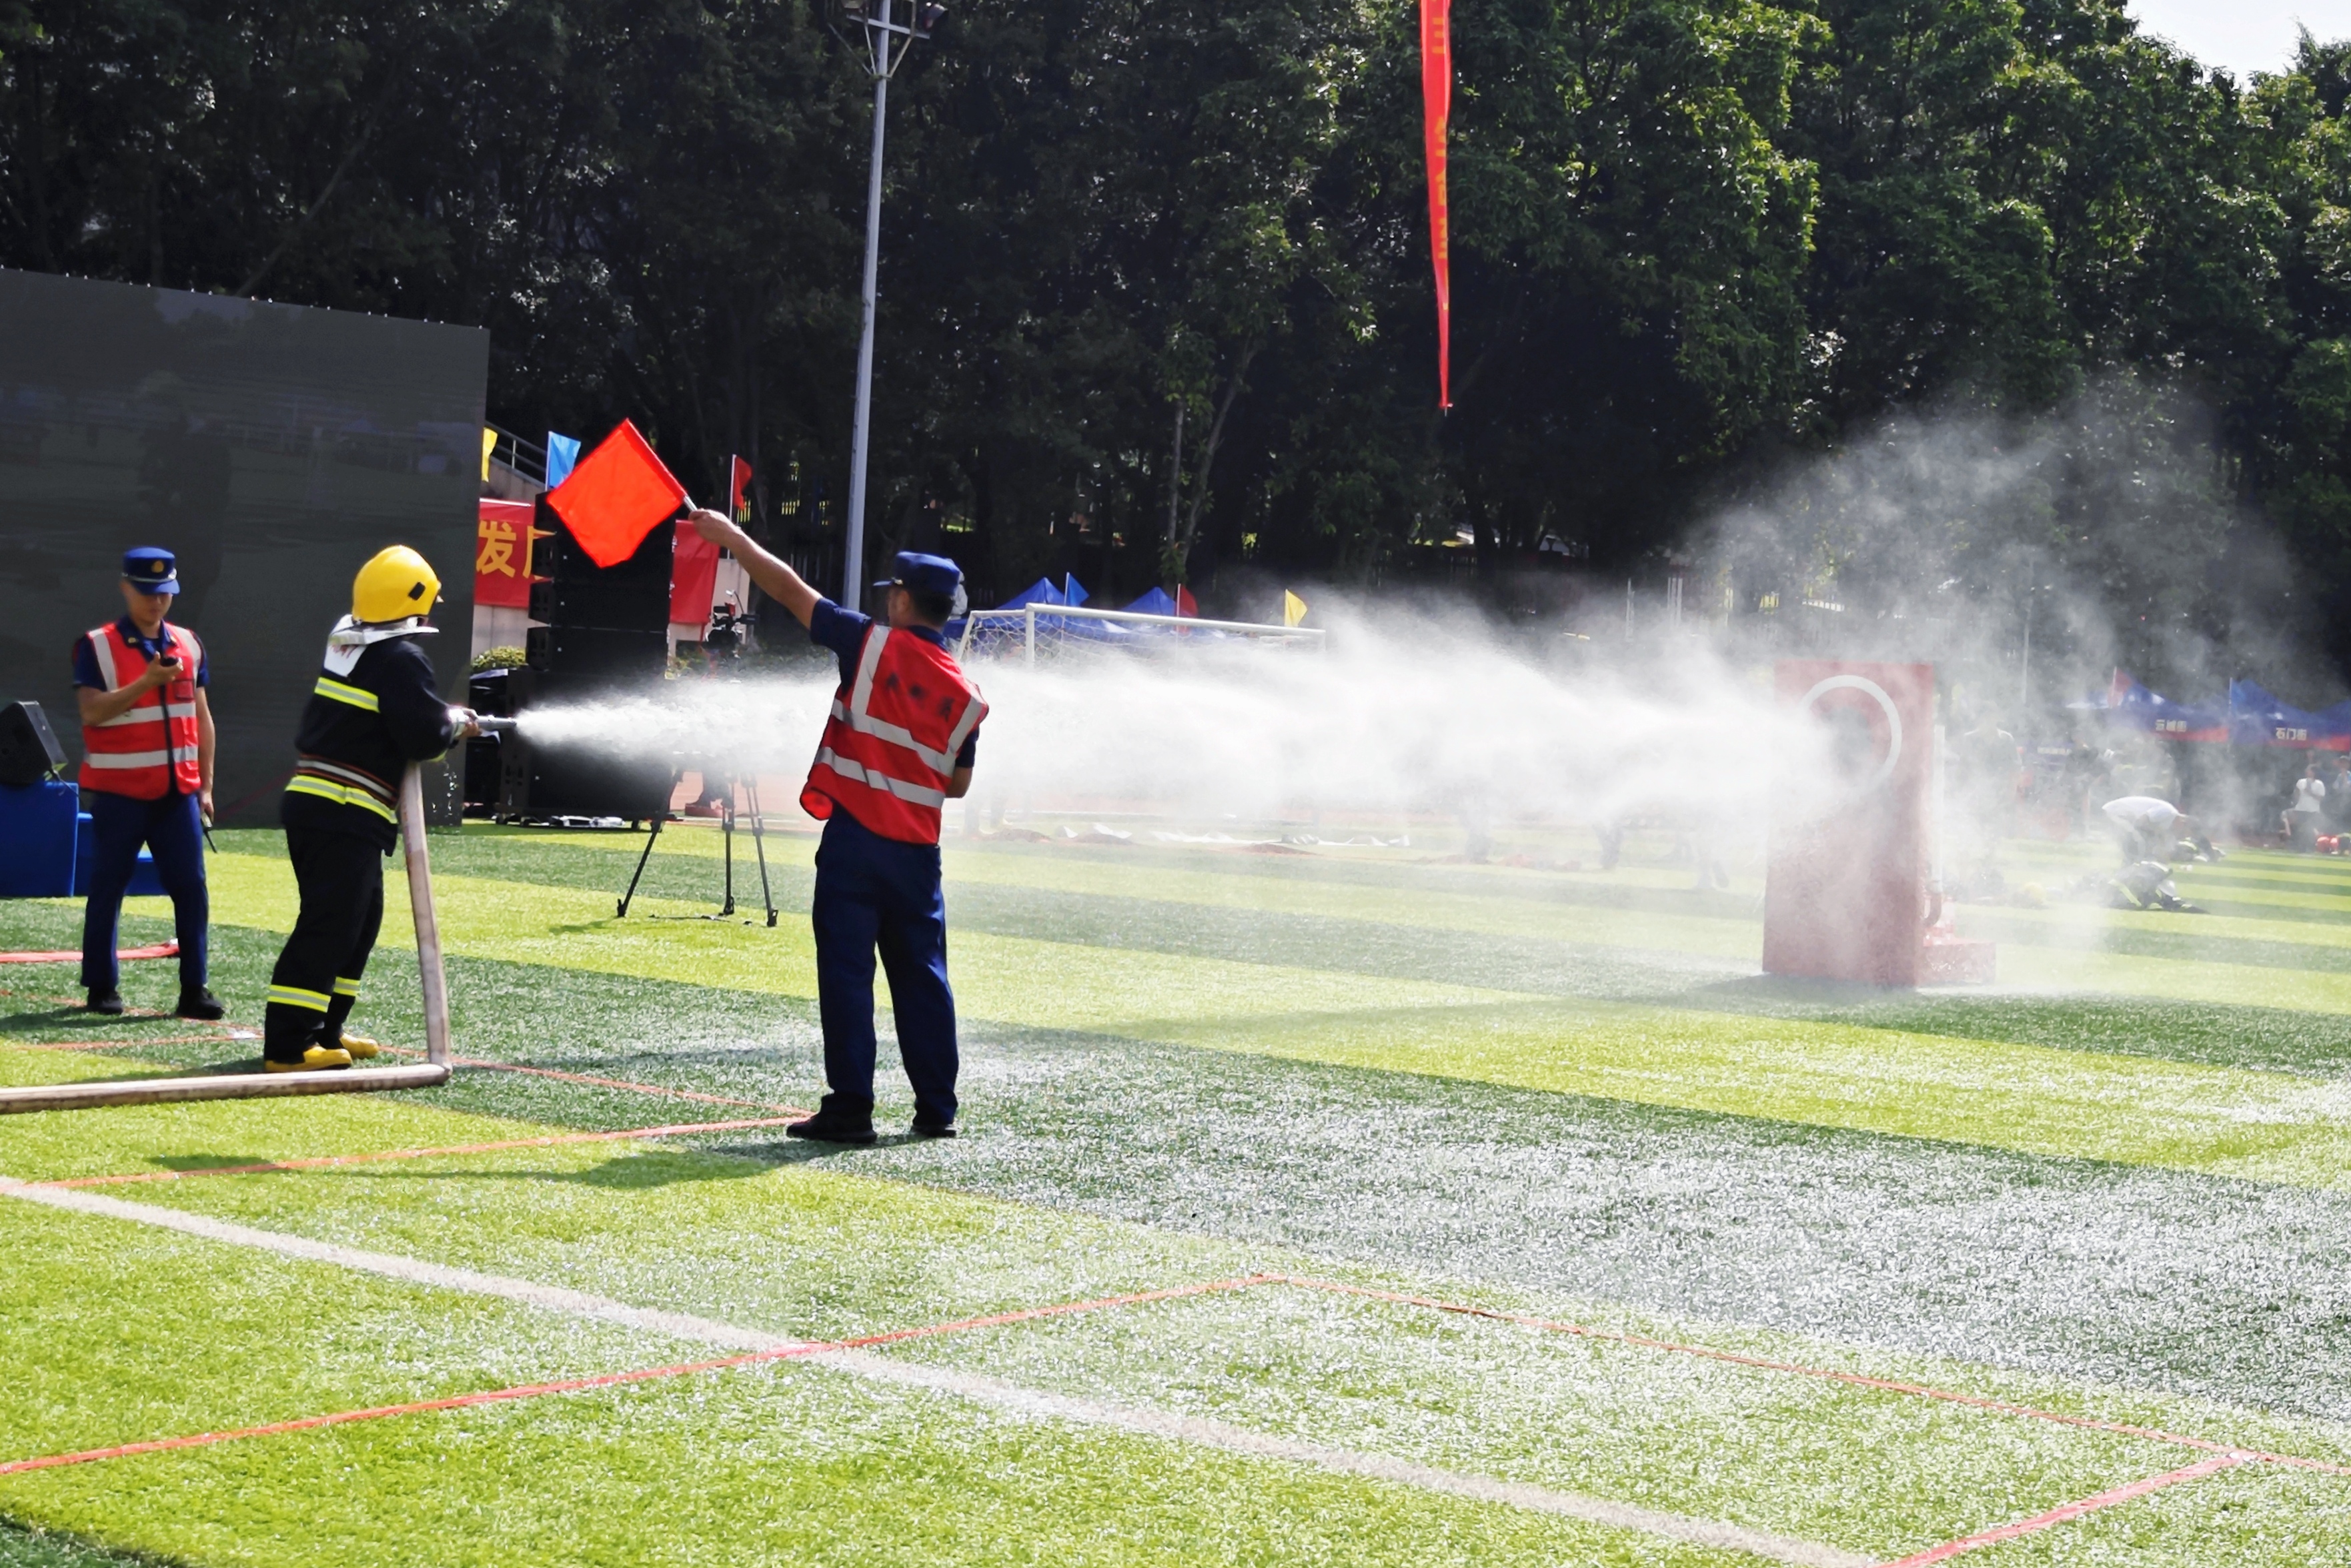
<point>1063,628</point>
<point>434,1070</point>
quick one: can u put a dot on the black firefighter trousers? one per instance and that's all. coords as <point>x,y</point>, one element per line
<point>316,982</point>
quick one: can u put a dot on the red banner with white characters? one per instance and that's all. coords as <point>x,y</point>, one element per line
<point>1437,113</point>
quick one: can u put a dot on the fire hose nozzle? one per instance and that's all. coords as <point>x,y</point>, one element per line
<point>495,726</point>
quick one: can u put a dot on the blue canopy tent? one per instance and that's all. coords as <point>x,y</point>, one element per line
<point>1040,592</point>
<point>2130,705</point>
<point>2260,718</point>
<point>1155,603</point>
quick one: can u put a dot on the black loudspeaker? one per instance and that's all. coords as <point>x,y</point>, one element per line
<point>29,751</point>
<point>588,657</point>
<point>486,694</point>
<point>542,781</point>
<point>625,606</point>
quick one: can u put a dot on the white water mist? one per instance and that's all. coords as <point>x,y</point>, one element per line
<point>1393,716</point>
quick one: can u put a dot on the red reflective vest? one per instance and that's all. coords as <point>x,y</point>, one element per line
<point>889,750</point>
<point>145,750</point>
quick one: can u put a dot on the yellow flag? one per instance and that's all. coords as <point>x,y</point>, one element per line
<point>1293,609</point>
<point>490,441</point>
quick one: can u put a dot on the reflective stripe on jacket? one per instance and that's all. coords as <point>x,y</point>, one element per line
<point>373,709</point>
<point>889,749</point>
<point>151,746</point>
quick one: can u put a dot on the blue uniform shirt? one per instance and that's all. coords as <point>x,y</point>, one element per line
<point>842,633</point>
<point>86,672</point>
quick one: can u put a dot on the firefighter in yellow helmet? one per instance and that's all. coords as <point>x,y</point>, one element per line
<point>374,711</point>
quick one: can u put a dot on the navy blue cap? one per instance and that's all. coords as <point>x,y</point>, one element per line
<point>923,574</point>
<point>151,570</point>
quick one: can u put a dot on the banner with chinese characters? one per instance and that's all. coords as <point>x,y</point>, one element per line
<point>502,555</point>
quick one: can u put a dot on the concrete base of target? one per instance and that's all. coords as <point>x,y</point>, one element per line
<point>1956,961</point>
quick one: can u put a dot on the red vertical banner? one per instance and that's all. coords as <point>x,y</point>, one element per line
<point>738,480</point>
<point>1437,113</point>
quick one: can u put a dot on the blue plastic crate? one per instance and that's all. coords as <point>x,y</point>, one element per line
<point>38,843</point>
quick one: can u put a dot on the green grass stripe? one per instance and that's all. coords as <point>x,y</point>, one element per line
<point>115,1333</point>
<point>2176,980</point>
<point>2190,958</point>
<point>2226,1122</point>
<point>1043,983</point>
<point>2248,864</point>
<point>2273,1039</point>
<point>788,1465</point>
<point>496,1005</point>
<point>2213,1121</point>
<point>2257,1516</point>
<point>791,1238</point>
<point>1880,1473</point>
<point>1259,1146</point>
<point>800,1251</point>
<point>2079,924</point>
<point>1628,913</point>
<point>22,1546</point>
<point>53,1145</point>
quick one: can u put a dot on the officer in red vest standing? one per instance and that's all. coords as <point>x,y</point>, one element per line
<point>898,747</point>
<point>146,774</point>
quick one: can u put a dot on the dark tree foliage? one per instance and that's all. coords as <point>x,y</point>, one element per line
<point>1155,292</point>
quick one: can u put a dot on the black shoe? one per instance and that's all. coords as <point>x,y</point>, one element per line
<point>933,1129</point>
<point>198,1002</point>
<point>826,1129</point>
<point>108,1001</point>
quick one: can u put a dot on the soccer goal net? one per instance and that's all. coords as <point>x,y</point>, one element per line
<point>1037,632</point>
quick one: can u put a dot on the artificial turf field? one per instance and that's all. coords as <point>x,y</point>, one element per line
<point>2058,1272</point>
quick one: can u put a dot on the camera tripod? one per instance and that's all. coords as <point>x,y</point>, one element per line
<point>726,839</point>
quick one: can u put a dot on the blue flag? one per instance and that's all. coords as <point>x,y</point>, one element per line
<point>1073,591</point>
<point>562,452</point>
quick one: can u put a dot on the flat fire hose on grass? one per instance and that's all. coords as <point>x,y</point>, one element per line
<point>241,1085</point>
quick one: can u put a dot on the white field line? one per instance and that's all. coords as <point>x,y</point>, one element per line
<point>1035,1404</point>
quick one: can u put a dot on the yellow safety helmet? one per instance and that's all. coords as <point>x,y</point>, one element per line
<point>395,584</point>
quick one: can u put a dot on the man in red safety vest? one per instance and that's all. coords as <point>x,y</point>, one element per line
<point>899,745</point>
<point>146,774</point>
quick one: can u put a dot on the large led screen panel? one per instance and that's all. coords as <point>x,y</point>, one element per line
<point>273,448</point>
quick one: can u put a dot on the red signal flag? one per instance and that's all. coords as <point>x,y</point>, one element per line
<point>616,495</point>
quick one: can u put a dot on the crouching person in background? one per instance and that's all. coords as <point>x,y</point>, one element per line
<point>374,711</point>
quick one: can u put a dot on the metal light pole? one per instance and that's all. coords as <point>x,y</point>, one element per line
<point>886,43</point>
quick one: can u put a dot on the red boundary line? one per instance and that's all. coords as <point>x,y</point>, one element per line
<point>2225,1458</point>
<point>2069,1512</point>
<point>318,1162</point>
<point>1308,1282</point>
<point>616,1379</point>
<point>157,950</point>
<point>1858,1379</point>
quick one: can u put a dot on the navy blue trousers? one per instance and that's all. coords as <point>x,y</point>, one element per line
<point>876,894</point>
<point>173,829</point>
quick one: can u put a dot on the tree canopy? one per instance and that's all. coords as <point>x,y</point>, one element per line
<point>1155,284</point>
